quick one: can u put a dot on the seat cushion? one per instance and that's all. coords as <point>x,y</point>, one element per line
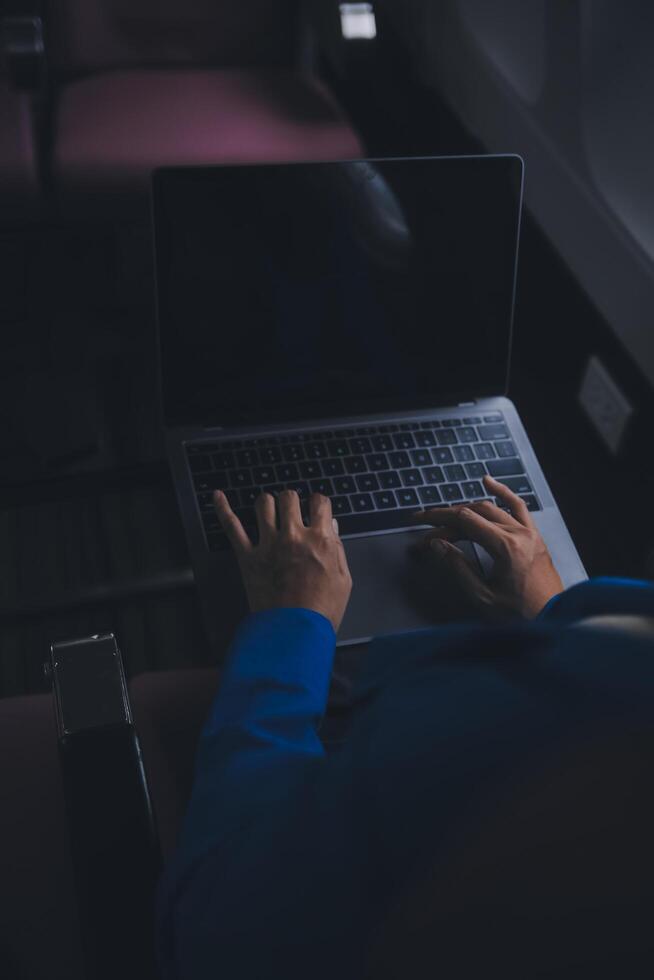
<point>113,129</point>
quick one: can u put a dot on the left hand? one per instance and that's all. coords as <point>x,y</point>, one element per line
<point>293,566</point>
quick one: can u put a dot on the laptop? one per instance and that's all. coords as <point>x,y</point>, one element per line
<point>343,327</point>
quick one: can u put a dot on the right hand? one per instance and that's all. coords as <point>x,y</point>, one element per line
<point>523,578</point>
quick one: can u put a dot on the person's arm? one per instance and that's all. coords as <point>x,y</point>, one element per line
<point>262,728</point>
<point>260,746</point>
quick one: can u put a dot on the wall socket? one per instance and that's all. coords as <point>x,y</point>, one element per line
<point>604,403</point>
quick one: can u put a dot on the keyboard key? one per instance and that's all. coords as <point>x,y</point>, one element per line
<point>472,420</point>
<point>472,489</point>
<point>301,488</point>
<point>504,449</point>
<point>200,463</point>
<point>420,457</point>
<point>385,499</point>
<point>389,481</point>
<point>442,455</point>
<point>211,522</point>
<point>411,478</point>
<point>322,486</point>
<point>360,445</point>
<point>519,484</point>
<point>377,461</point>
<point>399,460</point>
<point>463,454</point>
<point>407,498</point>
<point>451,491</point>
<point>248,496</point>
<point>338,448</point>
<point>274,488</point>
<point>205,501</point>
<point>284,472</point>
<point>333,467</point>
<point>532,502</point>
<point>365,430</point>
<point>475,471</point>
<point>247,457</point>
<point>505,467</point>
<point>450,422</point>
<point>433,474</point>
<point>341,505</point>
<point>224,461</point>
<point>425,439</point>
<point>217,480</point>
<point>408,426</point>
<point>345,484</point>
<point>266,474</point>
<point>367,482</point>
<point>382,444</point>
<point>240,478</point>
<point>484,450</point>
<point>429,495</point>
<point>467,433</point>
<point>446,437</point>
<point>293,453</point>
<point>404,440</point>
<point>456,472</point>
<point>355,464</point>
<point>316,450</point>
<point>489,433</point>
<point>270,455</point>
<point>361,501</point>
<point>494,417</point>
<point>310,469</point>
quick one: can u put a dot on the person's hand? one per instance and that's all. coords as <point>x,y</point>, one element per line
<point>523,577</point>
<point>293,566</point>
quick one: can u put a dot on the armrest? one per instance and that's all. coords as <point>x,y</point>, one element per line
<point>23,50</point>
<point>113,840</point>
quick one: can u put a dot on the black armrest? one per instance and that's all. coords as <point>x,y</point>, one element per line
<point>23,50</point>
<point>113,839</point>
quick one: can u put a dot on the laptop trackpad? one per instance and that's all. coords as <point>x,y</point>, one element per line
<point>393,590</point>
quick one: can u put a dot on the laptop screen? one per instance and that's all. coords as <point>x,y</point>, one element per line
<point>303,291</point>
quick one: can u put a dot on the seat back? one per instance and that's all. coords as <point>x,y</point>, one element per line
<point>89,35</point>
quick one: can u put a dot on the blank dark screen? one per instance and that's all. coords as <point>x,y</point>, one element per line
<point>312,290</point>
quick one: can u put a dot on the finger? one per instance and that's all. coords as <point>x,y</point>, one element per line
<point>290,514</point>
<point>335,526</point>
<point>264,508</point>
<point>230,523</point>
<point>516,504</point>
<point>436,516</point>
<point>320,509</point>
<point>492,512</point>
<point>462,570</point>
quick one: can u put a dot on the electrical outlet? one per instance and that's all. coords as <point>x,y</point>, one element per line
<point>605,405</point>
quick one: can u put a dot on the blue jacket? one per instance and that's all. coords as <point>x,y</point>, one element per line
<point>290,855</point>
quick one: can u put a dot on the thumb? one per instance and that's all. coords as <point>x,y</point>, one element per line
<point>461,569</point>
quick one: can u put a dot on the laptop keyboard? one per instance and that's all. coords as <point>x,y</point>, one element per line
<point>377,476</point>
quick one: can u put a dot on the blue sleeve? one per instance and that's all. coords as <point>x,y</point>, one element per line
<point>601,597</point>
<point>258,746</point>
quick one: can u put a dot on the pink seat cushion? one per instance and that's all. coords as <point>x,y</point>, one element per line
<point>113,129</point>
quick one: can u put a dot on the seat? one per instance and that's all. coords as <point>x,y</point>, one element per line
<point>139,85</point>
<point>112,129</point>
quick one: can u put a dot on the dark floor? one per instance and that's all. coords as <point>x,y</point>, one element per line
<point>90,539</point>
